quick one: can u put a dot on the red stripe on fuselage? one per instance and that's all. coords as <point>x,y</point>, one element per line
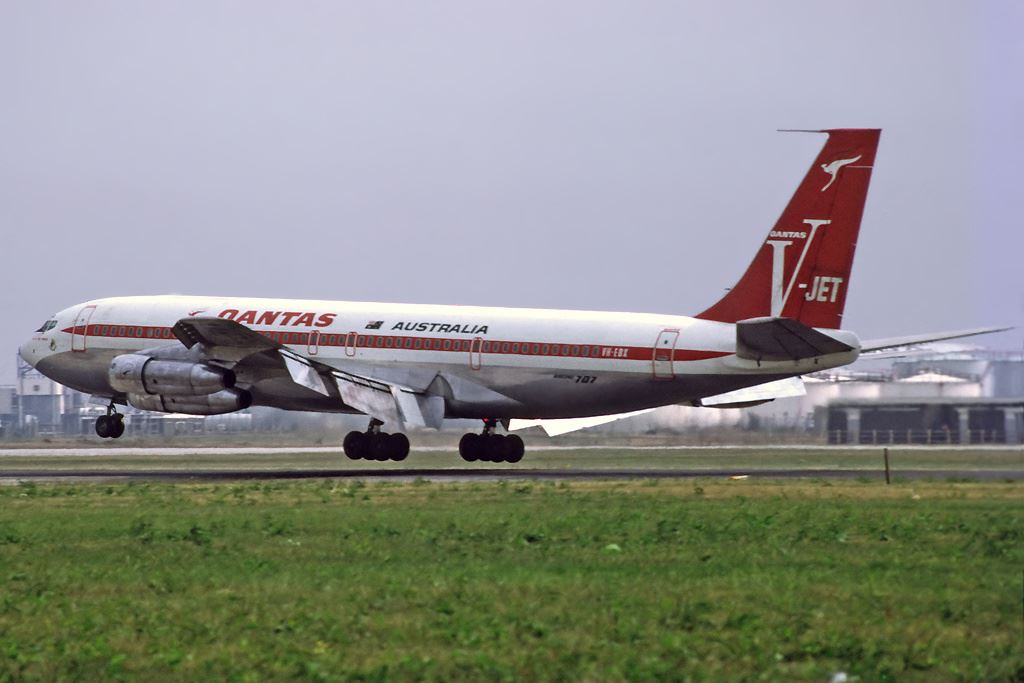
<point>393,342</point>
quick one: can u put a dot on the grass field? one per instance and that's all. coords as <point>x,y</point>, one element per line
<point>700,579</point>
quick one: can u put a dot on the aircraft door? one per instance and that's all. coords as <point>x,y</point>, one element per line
<point>474,352</point>
<point>80,330</point>
<point>313,345</point>
<point>350,344</point>
<point>661,357</point>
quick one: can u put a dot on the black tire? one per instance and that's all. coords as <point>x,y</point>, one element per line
<point>116,426</point>
<point>514,448</point>
<point>379,448</point>
<point>103,427</point>
<point>490,448</point>
<point>469,447</point>
<point>355,445</point>
<point>399,447</point>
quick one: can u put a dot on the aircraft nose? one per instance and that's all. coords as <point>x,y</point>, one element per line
<point>27,352</point>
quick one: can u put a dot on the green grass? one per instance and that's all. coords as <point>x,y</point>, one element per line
<point>512,581</point>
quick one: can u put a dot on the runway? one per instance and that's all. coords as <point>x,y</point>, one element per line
<point>115,450</point>
<point>496,474</point>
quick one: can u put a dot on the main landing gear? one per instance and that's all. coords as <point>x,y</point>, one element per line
<point>491,447</point>
<point>111,425</point>
<point>374,444</point>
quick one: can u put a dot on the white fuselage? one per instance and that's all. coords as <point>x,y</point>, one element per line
<point>487,362</point>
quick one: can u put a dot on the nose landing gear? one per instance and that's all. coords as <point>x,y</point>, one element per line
<point>374,444</point>
<point>491,447</point>
<point>111,425</point>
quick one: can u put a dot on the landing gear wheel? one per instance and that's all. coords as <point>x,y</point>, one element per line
<point>376,445</point>
<point>491,447</point>
<point>399,447</point>
<point>514,448</point>
<point>103,427</point>
<point>469,447</point>
<point>380,447</point>
<point>355,445</point>
<point>111,425</point>
<point>116,422</point>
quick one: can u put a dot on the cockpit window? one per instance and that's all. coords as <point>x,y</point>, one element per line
<point>47,326</point>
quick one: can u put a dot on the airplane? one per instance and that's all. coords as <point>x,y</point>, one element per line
<point>411,366</point>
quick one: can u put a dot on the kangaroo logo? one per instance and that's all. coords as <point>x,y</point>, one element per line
<point>833,169</point>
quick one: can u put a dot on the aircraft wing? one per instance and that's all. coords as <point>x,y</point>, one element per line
<point>388,401</point>
<point>225,339</point>
<point>761,393</point>
<point>908,342</point>
<point>570,424</point>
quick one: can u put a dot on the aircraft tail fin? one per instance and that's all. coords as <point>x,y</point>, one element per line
<point>802,270</point>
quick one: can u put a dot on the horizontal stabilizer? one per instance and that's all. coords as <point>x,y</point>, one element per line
<point>916,339</point>
<point>570,424</point>
<point>770,339</point>
<point>762,393</point>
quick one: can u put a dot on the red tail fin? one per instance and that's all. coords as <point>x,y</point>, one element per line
<point>802,271</point>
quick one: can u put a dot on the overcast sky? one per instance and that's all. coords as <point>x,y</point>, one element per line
<point>612,156</point>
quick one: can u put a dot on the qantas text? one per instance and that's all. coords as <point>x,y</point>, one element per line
<point>293,318</point>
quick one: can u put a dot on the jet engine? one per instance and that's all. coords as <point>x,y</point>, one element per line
<point>134,373</point>
<point>224,401</point>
